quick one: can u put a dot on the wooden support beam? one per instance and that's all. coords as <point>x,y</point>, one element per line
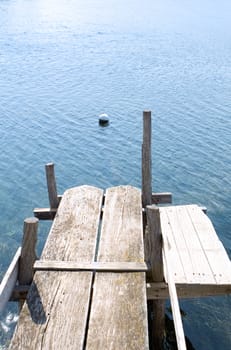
<point>45,213</point>
<point>156,291</point>
<point>19,293</point>
<point>90,266</point>
<point>160,290</point>
<point>153,251</point>
<point>49,213</point>
<point>161,198</point>
<point>146,160</point>
<point>51,186</point>
<point>28,254</point>
<point>9,281</point>
<point>178,325</point>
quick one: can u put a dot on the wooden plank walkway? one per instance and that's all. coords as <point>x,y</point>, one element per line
<point>119,311</point>
<point>86,309</point>
<point>196,255</point>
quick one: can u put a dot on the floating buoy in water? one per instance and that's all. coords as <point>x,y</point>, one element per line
<point>103,119</point>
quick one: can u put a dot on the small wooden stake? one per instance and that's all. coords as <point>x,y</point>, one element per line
<point>153,247</point>
<point>28,254</point>
<point>51,186</point>
<point>146,160</point>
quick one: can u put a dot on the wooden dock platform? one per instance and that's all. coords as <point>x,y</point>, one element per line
<point>87,309</point>
<point>195,252</point>
<point>200,265</point>
<point>89,288</point>
<point>106,254</point>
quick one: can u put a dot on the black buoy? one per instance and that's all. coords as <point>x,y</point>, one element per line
<point>103,119</point>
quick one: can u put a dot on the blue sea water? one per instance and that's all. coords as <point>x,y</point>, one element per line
<point>64,62</point>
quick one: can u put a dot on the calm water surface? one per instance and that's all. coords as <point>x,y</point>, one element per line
<point>62,63</point>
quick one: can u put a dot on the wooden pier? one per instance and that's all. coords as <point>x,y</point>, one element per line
<point>107,253</point>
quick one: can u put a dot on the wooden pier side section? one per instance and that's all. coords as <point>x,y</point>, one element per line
<point>55,313</point>
<point>195,252</point>
<point>199,262</point>
<point>118,317</point>
<point>80,309</point>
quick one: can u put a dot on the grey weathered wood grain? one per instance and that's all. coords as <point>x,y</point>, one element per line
<point>45,213</point>
<point>161,198</point>
<point>51,186</point>
<point>49,265</point>
<point>119,313</point>
<point>28,253</point>
<point>49,213</point>
<point>177,320</point>
<point>9,280</point>
<point>55,313</point>
<point>153,251</point>
<point>195,252</point>
<point>160,290</point>
<point>146,160</point>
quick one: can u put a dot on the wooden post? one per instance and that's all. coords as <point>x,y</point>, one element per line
<point>28,254</point>
<point>153,245</point>
<point>146,160</point>
<point>51,186</point>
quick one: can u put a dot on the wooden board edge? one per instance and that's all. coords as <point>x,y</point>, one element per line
<point>9,280</point>
<point>41,265</point>
<point>160,290</point>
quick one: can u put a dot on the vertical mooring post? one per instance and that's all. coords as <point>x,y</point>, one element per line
<point>28,253</point>
<point>146,160</point>
<point>51,186</point>
<point>153,244</point>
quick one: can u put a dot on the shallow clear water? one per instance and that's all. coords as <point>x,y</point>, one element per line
<point>62,63</point>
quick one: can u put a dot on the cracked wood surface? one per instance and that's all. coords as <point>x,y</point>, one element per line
<point>118,318</point>
<point>55,313</point>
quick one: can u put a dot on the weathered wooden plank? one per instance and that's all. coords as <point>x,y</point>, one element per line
<point>174,256</point>
<point>49,213</point>
<point>153,243</point>
<point>197,255</point>
<point>214,250</point>
<point>178,325</point>
<point>96,266</point>
<point>202,272</point>
<point>28,253</point>
<point>147,160</point>
<point>180,238</point>
<point>161,198</point>
<point>45,213</point>
<point>153,252</point>
<point>9,280</point>
<point>55,314</point>
<point>119,313</point>
<point>160,290</point>
<point>51,185</point>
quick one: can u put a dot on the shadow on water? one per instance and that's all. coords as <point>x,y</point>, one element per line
<point>169,342</point>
